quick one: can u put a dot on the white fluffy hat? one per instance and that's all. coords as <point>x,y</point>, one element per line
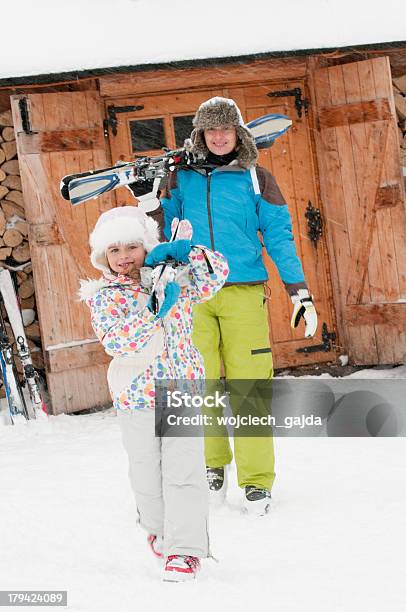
<point>121,225</point>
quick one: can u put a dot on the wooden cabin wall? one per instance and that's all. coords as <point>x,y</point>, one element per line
<point>75,363</point>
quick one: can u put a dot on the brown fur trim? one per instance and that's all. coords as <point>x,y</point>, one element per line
<point>246,147</point>
<point>269,187</point>
<point>217,112</point>
<point>222,112</point>
<point>247,150</point>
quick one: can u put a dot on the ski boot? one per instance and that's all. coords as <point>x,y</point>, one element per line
<point>257,501</point>
<point>217,481</point>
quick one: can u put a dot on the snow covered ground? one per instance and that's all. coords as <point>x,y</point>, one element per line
<point>334,540</point>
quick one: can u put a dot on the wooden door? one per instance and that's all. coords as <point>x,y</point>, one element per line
<point>169,118</point>
<point>363,198</point>
<point>64,135</point>
<point>291,162</point>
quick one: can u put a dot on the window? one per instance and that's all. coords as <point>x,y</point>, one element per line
<point>183,127</point>
<point>147,134</point>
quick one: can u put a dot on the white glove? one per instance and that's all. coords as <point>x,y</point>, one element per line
<point>149,201</point>
<point>303,307</point>
<point>184,229</point>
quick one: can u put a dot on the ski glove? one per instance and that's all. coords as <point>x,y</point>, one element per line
<point>147,194</point>
<point>142,187</point>
<point>171,292</point>
<point>178,250</point>
<point>303,307</point>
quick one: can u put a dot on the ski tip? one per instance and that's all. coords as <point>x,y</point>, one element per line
<point>268,128</point>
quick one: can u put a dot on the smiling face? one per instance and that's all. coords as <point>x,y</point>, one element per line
<point>222,140</point>
<point>126,259</point>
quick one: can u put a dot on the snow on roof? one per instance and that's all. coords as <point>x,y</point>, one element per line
<point>53,36</point>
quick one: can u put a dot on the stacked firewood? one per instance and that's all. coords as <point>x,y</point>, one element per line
<point>14,246</point>
<point>399,87</point>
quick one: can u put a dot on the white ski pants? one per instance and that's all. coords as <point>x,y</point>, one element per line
<point>168,477</point>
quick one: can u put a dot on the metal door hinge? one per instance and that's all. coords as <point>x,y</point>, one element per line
<point>326,347</point>
<point>112,119</point>
<point>314,222</point>
<point>25,116</point>
<point>300,103</point>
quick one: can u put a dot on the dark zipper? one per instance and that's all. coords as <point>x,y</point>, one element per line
<point>209,266</point>
<point>209,213</point>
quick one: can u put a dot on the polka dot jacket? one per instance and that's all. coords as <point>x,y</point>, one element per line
<point>129,331</point>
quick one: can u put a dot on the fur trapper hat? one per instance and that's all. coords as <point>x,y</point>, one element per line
<point>222,112</point>
<point>121,225</point>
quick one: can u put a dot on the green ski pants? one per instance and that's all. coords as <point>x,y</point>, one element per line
<point>232,328</point>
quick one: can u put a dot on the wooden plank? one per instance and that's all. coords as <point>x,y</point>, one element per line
<point>35,206</point>
<point>339,185</point>
<point>314,257</point>
<point>44,234</point>
<point>45,261</point>
<point>280,164</point>
<point>79,356</point>
<point>221,75</point>
<point>346,173</point>
<point>378,81</point>
<point>366,217</point>
<point>359,112</point>
<point>332,197</point>
<point>345,89</point>
<point>285,354</point>
<point>360,86</point>
<point>393,175</point>
<point>62,317</point>
<point>379,267</point>
<point>57,392</point>
<point>61,209</point>
<point>61,140</point>
<point>376,314</point>
<point>74,111</point>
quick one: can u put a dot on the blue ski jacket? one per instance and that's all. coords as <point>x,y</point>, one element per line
<point>227,207</point>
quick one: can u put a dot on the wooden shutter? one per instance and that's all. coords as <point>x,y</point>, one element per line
<point>64,136</point>
<point>363,200</point>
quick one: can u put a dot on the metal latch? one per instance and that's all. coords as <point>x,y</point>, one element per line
<point>314,222</point>
<point>300,103</point>
<point>112,119</point>
<point>326,347</point>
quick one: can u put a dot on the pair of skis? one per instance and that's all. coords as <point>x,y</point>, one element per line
<point>79,188</point>
<point>19,410</point>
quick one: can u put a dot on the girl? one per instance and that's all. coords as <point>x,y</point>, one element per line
<point>167,474</point>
